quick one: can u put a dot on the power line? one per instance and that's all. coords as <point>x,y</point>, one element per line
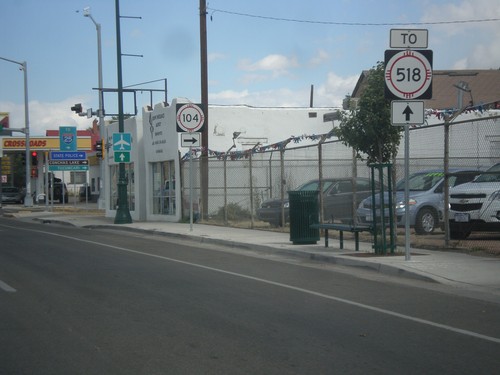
<point>348,23</point>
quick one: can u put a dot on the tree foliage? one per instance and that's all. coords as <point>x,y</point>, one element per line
<point>367,128</point>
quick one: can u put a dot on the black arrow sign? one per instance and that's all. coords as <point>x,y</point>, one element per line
<point>407,112</point>
<point>192,140</point>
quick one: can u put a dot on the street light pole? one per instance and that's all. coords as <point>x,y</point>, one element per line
<point>28,199</point>
<point>122,212</point>
<point>102,195</point>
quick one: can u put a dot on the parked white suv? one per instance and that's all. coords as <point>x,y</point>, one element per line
<point>475,206</point>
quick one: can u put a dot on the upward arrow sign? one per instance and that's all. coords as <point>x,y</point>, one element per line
<point>407,112</point>
<point>122,157</point>
<point>404,112</point>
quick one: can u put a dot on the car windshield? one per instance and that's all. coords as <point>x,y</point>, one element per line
<point>491,175</point>
<point>421,181</point>
<point>314,185</point>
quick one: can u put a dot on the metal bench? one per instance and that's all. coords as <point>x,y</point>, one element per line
<point>356,229</point>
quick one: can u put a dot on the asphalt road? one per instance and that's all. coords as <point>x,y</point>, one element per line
<point>79,301</point>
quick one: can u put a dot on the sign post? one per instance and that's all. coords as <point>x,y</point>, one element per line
<point>408,76</point>
<point>190,121</point>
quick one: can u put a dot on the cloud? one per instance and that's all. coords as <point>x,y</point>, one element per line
<point>475,42</point>
<point>328,94</point>
<point>228,97</point>
<point>321,57</point>
<point>268,98</point>
<point>334,90</point>
<point>463,11</point>
<point>44,116</point>
<point>278,65</point>
<point>214,56</point>
<point>253,78</point>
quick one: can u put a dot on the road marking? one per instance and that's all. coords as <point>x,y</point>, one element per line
<point>286,286</point>
<point>6,287</point>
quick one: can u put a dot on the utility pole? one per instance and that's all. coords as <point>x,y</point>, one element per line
<point>204,103</point>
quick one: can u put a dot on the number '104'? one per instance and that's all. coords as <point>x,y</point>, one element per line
<point>188,117</point>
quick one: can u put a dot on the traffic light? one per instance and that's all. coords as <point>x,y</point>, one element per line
<point>77,108</point>
<point>34,158</point>
<point>98,149</point>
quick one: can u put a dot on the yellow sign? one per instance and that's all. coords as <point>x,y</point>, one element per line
<point>42,143</point>
<point>6,165</point>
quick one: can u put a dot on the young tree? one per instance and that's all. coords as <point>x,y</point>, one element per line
<point>367,128</point>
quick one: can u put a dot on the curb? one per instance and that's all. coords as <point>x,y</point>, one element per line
<point>334,259</point>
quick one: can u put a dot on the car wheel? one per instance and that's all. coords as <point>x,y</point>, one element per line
<point>426,221</point>
<point>459,232</point>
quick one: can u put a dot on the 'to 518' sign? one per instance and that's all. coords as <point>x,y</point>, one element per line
<point>408,74</point>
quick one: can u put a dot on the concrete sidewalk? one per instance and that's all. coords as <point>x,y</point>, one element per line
<point>466,272</point>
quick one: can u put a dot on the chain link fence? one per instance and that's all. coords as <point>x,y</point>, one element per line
<point>240,181</point>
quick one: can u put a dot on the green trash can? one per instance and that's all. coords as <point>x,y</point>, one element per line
<point>304,211</point>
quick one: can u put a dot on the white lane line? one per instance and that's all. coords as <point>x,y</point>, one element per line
<point>290,287</point>
<point>6,287</point>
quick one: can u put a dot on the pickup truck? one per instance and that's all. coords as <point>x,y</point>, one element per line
<point>475,206</point>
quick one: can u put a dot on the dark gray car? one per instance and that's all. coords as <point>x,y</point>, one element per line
<point>12,194</point>
<point>337,200</point>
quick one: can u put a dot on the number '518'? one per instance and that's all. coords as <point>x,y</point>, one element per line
<point>408,74</point>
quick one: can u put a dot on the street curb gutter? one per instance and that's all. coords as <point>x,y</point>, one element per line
<point>334,259</point>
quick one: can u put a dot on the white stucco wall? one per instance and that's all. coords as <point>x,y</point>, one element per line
<point>137,157</point>
<point>160,139</point>
<point>265,126</point>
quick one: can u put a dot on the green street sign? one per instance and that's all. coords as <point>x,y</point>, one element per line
<point>122,157</point>
<point>74,168</point>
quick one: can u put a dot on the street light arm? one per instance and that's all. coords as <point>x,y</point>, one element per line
<point>14,61</point>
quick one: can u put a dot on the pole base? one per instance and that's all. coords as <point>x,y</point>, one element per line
<point>28,201</point>
<point>123,216</point>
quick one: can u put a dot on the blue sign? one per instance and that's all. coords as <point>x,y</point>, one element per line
<point>68,155</point>
<point>122,141</point>
<point>68,138</point>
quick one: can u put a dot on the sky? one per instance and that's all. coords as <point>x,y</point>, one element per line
<point>260,53</point>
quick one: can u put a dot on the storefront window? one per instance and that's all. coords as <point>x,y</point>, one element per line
<point>164,188</point>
